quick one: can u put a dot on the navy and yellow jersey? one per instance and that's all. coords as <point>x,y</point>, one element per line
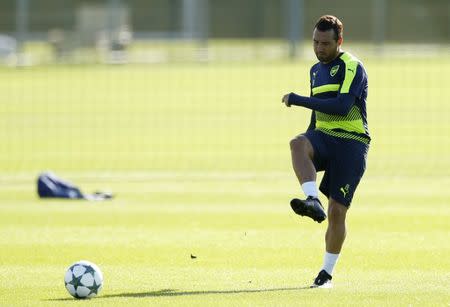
<point>342,77</point>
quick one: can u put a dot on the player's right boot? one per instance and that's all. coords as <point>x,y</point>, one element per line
<point>310,207</point>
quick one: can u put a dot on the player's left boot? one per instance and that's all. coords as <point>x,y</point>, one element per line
<point>310,207</point>
<point>323,280</point>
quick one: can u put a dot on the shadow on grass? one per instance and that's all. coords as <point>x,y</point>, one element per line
<point>173,292</point>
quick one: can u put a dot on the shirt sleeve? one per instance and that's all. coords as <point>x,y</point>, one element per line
<point>339,105</point>
<point>355,79</point>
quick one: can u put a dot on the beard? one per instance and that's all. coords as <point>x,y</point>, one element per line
<point>324,58</point>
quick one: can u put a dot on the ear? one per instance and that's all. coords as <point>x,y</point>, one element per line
<point>340,40</point>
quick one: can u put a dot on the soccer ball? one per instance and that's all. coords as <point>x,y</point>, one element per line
<point>83,279</point>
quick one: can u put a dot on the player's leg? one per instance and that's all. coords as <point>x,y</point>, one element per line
<point>305,161</point>
<point>345,173</point>
<point>334,239</point>
<point>336,231</point>
<point>302,153</point>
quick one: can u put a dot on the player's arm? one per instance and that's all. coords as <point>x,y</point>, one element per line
<point>339,105</point>
<point>351,88</point>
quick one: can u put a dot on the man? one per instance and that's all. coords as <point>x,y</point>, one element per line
<point>336,141</point>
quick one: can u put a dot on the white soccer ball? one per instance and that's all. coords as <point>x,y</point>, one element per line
<point>83,279</point>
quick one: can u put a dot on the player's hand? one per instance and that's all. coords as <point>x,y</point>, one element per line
<point>285,100</point>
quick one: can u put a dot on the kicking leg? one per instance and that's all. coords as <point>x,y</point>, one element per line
<point>302,153</point>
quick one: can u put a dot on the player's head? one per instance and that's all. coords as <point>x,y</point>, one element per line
<point>327,38</point>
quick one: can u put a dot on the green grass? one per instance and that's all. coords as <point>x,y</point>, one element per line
<point>199,160</point>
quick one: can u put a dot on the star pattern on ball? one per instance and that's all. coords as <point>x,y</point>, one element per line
<point>85,285</point>
<point>76,281</point>
<point>94,288</point>
<point>89,269</point>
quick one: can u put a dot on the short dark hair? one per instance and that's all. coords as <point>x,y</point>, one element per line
<point>328,22</point>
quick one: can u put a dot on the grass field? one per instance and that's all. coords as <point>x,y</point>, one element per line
<point>198,157</point>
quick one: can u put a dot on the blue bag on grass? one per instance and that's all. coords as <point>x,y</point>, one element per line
<point>51,186</point>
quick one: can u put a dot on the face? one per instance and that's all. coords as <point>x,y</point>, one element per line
<point>326,47</point>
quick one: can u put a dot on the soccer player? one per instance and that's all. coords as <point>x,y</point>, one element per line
<point>336,141</point>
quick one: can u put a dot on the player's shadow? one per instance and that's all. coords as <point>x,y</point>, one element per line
<point>174,292</point>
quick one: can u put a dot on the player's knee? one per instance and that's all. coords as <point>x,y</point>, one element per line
<point>299,144</point>
<point>336,212</point>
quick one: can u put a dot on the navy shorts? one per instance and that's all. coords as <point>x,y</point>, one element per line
<point>344,163</point>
